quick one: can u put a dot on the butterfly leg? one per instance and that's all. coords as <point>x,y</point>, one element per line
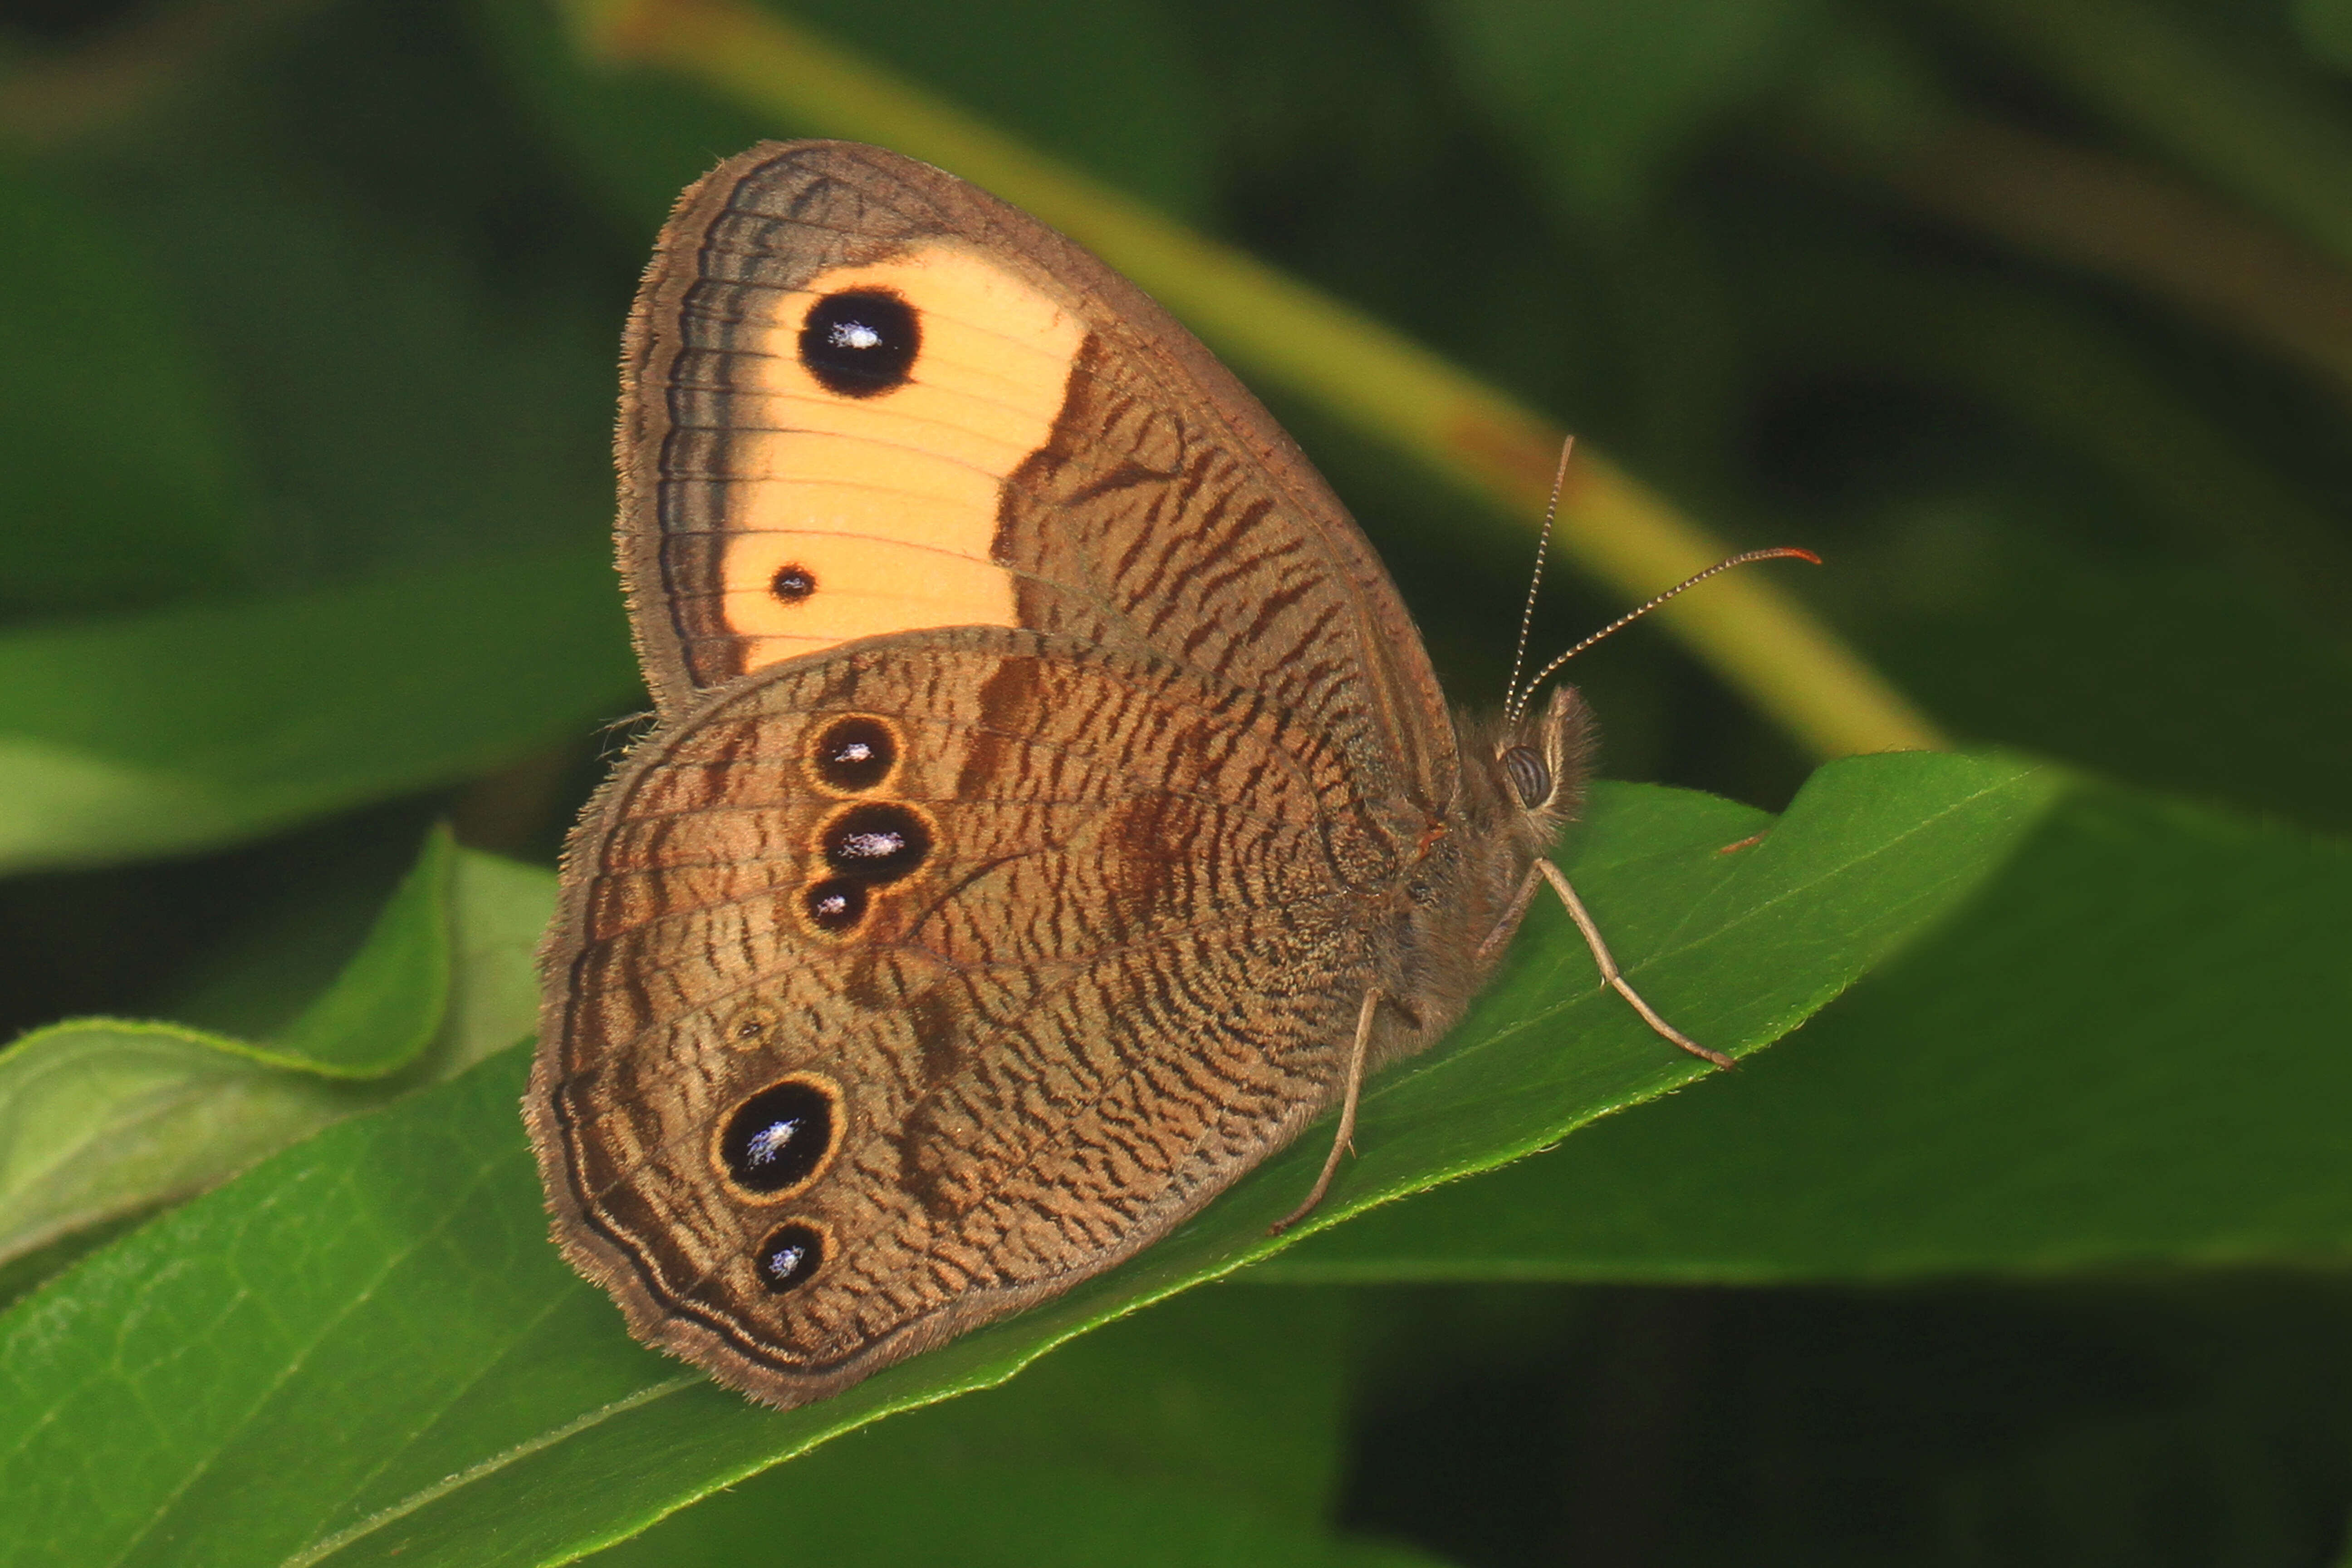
<point>1346,1132</point>
<point>1609,971</point>
<point>1506,928</point>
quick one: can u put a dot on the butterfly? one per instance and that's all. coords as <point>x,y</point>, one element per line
<point>1050,809</point>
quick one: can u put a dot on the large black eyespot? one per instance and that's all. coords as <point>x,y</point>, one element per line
<point>791,1256</point>
<point>856,752</point>
<point>861,342</point>
<point>777,1139</point>
<point>836,904</point>
<point>1530,774</point>
<point>878,843</point>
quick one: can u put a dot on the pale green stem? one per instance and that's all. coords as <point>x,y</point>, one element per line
<point>1757,639</point>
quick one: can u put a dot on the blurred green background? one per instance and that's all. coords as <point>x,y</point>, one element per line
<point>2033,318</point>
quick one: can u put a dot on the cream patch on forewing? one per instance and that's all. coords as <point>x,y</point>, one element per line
<point>889,503</point>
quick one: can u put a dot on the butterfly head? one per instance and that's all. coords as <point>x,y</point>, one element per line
<point>1541,761</point>
<point>1541,764</point>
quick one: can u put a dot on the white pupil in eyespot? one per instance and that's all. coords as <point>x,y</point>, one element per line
<point>786,1262</point>
<point>857,751</point>
<point>769,1141</point>
<point>862,846</point>
<point>854,335</point>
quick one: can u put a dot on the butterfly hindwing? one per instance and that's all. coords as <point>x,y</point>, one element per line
<point>919,956</point>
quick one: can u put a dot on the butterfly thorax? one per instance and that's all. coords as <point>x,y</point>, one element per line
<point>1522,780</point>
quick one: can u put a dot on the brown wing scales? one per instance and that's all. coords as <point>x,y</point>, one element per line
<point>1119,967</point>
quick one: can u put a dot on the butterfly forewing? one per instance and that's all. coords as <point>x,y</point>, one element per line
<point>1037,444</point>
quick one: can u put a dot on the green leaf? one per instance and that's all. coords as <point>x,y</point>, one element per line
<point>102,1119</point>
<point>984,1512</point>
<point>197,726</point>
<point>389,1001</point>
<point>122,486</point>
<point>1205,1432</point>
<point>366,1350</point>
<point>1603,94</point>
<point>877,1510</point>
<point>2126,1052</point>
<point>498,912</point>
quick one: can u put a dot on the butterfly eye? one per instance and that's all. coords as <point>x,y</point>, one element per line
<point>1530,774</point>
<point>789,1256</point>
<point>778,1138</point>
<point>860,342</point>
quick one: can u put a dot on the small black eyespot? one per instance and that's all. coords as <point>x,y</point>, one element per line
<point>1530,774</point>
<point>791,1256</point>
<point>751,1025</point>
<point>778,1138</point>
<point>790,584</point>
<point>856,752</point>
<point>836,904</point>
<point>878,843</point>
<point>861,342</point>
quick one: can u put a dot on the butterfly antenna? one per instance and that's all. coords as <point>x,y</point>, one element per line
<point>1543,548</point>
<point>1516,710</point>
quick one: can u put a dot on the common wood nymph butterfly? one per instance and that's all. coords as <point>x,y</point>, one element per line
<point>1050,811</point>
